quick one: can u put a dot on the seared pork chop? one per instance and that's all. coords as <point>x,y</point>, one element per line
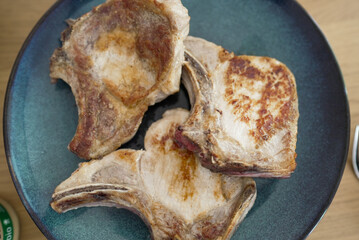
<point>244,112</point>
<point>118,59</point>
<point>165,185</point>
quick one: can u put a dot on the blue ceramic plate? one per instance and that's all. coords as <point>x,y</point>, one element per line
<point>40,119</point>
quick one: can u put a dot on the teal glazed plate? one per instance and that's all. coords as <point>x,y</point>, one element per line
<point>40,119</point>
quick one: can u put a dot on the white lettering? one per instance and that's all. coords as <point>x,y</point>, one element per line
<point>8,233</point>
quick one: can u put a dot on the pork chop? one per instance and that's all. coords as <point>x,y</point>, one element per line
<point>244,112</point>
<point>118,59</point>
<point>165,185</point>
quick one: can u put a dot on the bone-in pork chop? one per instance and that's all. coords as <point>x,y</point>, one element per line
<point>165,185</point>
<point>244,112</point>
<point>118,59</point>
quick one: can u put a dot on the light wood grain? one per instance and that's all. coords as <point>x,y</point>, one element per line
<point>338,19</point>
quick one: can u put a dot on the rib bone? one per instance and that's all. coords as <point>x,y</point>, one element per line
<point>118,59</point>
<point>165,185</point>
<point>244,112</point>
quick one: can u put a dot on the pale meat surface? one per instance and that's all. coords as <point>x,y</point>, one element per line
<point>165,185</point>
<point>118,59</point>
<point>244,112</point>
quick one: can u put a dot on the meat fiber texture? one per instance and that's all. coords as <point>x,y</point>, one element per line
<point>244,112</point>
<point>118,59</point>
<point>165,185</point>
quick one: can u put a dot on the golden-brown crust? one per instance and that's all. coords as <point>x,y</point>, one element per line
<point>119,59</point>
<point>164,185</point>
<point>224,55</point>
<point>278,88</point>
<point>137,26</point>
<point>183,179</point>
<point>244,119</point>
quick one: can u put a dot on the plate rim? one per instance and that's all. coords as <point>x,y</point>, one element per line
<point>42,227</point>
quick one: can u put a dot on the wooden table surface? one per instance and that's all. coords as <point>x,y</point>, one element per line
<point>338,19</point>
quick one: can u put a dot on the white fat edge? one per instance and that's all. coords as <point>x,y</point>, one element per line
<point>205,52</point>
<point>178,13</point>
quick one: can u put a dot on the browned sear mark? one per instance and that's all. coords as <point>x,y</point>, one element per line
<point>277,94</point>
<point>183,179</point>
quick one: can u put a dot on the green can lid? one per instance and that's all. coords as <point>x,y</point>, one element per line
<point>9,226</point>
